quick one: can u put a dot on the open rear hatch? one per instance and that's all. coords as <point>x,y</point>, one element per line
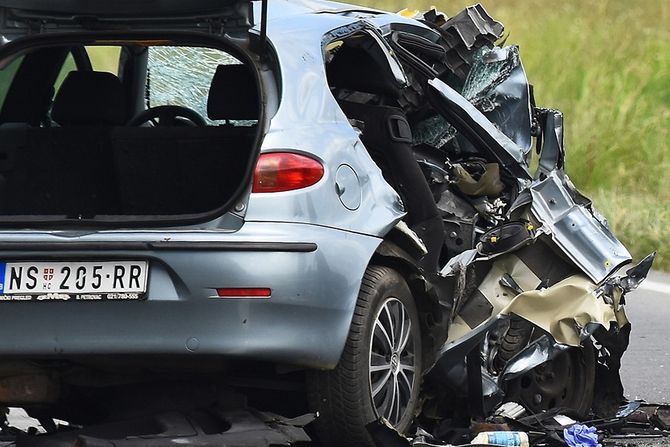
<point>71,148</point>
<point>22,17</point>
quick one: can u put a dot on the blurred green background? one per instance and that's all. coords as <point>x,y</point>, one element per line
<point>606,65</point>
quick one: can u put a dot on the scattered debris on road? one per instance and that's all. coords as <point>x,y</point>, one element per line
<point>511,425</point>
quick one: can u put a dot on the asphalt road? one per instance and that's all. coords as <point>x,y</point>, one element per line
<point>646,364</point>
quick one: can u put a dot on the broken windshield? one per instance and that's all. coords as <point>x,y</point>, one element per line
<point>182,76</point>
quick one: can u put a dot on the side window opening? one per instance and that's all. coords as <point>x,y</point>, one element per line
<point>358,64</point>
<point>369,93</point>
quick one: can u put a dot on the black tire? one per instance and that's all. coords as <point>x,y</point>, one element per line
<point>344,396</point>
<point>568,381</point>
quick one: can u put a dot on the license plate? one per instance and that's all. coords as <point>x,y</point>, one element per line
<point>73,280</point>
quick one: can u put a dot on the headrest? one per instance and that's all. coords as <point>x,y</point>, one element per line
<point>233,94</point>
<point>90,98</point>
<point>356,69</point>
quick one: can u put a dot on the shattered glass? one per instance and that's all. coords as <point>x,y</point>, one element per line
<point>434,131</point>
<point>497,85</point>
<point>490,68</point>
<point>182,76</point>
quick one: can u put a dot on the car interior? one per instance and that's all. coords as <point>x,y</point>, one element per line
<point>89,132</point>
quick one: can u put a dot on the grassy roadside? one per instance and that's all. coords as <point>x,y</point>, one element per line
<point>606,65</point>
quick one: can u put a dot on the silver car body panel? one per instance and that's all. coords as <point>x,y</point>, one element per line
<point>305,106</point>
<point>313,293</point>
<point>582,237</point>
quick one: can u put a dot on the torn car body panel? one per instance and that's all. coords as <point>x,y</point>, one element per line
<point>582,237</point>
<point>566,309</point>
<point>563,309</point>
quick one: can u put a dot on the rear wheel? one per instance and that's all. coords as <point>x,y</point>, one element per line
<point>379,373</point>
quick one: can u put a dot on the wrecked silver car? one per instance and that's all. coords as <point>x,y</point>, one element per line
<point>371,221</point>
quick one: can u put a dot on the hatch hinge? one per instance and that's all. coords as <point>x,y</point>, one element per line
<point>35,25</point>
<point>216,26</point>
<point>10,21</point>
<point>264,25</point>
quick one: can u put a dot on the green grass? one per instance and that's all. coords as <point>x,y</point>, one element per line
<point>606,65</point>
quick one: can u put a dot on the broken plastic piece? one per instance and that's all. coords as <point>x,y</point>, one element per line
<point>661,417</point>
<point>538,352</point>
<point>637,274</point>
<point>468,30</point>
<point>505,238</point>
<point>628,409</point>
<point>510,410</point>
<point>564,420</point>
<point>384,435</point>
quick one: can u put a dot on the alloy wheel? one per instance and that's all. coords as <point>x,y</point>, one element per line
<point>392,363</point>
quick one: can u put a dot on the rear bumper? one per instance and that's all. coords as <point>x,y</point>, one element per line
<point>314,275</point>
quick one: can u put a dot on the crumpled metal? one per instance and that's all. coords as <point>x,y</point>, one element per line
<point>567,307</point>
<point>579,435</point>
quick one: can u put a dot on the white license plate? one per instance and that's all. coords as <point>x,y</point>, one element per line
<point>77,280</point>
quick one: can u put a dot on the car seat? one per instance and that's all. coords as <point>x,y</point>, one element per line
<point>90,98</point>
<point>233,94</point>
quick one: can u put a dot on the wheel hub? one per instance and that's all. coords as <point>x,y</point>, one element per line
<point>392,364</point>
<point>395,363</point>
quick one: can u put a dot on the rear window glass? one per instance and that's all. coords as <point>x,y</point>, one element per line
<point>182,76</point>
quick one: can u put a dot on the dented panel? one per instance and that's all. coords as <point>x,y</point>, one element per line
<point>565,309</point>
<point>581,236</point>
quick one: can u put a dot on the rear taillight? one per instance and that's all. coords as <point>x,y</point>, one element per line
<point>285,171</point>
